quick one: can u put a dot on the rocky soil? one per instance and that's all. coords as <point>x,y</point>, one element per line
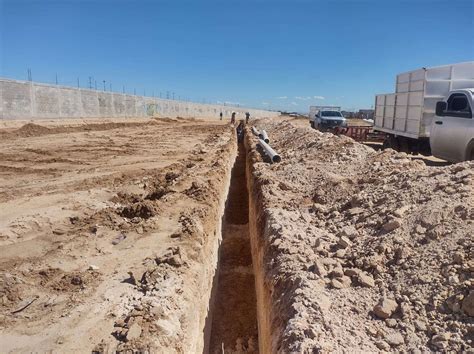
<point>363,250</point>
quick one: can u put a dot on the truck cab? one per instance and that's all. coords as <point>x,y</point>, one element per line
<point>452,129</point>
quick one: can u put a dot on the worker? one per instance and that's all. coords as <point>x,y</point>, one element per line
<point>247,117</point>
<point>240,131</point>
<point>220,114</point>
<point>232,119</point>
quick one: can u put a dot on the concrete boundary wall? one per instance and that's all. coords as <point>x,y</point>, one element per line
<point>33,100</point>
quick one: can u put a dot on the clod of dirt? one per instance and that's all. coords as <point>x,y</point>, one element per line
<point>157,194</point>
<point>143,210</point>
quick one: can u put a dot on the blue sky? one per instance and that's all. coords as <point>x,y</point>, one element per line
<point>273,54</point>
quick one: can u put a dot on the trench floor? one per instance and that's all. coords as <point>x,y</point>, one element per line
<point>234,323</point>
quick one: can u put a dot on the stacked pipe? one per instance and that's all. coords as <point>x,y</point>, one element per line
<point>264,140</point>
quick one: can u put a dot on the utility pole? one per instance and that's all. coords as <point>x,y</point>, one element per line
<point>104,84</point>
<point>95,85</point>
<point>123,89</point>
<point>77,82</point>
<point>167,95</point>
<point>173,96</point>
<point>90,83</point>
<point>56,78</point>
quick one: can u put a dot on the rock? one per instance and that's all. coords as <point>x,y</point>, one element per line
<point>441,340</point>
<point>118,239</point>
<point>76,280</point>
<point>394,339</point>
<point>344,242</point>
<point>420,325</point>
<point>401,211</point>
<point>366,280</point>
<point>350,272</point>
<point>355,211</point>
<point>468,304</point>
<point>391,322</point>
<point>458,258</point>
<point>391,225</point>
<point>385,308</point>
<point>335,283</point>
<point>134,331</point>
<point>337,271</point>
<point>93,267</point>
<point>382,345</point>
<point>140,230</point>
<point>420,229</point>
<point>350,232</point>
<point>319,269</point>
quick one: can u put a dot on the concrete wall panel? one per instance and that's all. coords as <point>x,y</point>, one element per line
<point>16,100</point>
<point>71,104</point>
<point>130,106</point>
<point>106,108</point>
<point>90,103</point>
<point>30,100</point>
<point>46,101</point>
<point>119,105</point>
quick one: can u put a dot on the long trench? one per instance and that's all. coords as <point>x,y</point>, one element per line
<point>234,319</point>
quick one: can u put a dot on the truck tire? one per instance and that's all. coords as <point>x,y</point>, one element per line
<point>470,151</point>
<point>392,143</point>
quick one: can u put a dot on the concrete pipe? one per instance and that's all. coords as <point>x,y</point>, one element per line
<point>255,131</point>
<point>272,154</point>
<point>264,136</point>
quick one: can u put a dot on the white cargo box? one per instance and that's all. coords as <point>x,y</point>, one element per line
<point>410,110</point>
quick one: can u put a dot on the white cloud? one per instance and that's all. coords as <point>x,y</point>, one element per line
<point>282,97</point>
<point>265,103</point>
<point>294,103</point>
<point>303,98</point>
<point>318,97</point>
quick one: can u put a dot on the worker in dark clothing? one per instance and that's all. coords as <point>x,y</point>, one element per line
<point>220,114</point>
<point>240,131</point>
<point>232,119</point>
<point>247,117</point>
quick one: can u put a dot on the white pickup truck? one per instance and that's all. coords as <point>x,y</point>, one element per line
<point>452,131</point>
<point>326,117</point>
<point>408,116</point>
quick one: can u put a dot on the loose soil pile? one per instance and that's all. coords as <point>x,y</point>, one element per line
<point>362,250</point>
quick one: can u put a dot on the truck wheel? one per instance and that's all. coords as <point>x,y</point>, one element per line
<point>470,151</point>
<point>404,145</point>
<point>392,143</point>
<point>312,124</point>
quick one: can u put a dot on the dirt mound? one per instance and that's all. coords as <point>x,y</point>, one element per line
<point>31,129</point>
<point>364,250</point>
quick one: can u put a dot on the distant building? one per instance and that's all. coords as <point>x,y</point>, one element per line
<point>348,114</point>
<point>366,113</point>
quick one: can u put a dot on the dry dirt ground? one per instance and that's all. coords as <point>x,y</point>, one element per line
<point>108,233</point>
<point>359,250</point>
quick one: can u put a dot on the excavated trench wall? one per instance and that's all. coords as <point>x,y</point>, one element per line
<point>202,331</point>
<point>258,230</point>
